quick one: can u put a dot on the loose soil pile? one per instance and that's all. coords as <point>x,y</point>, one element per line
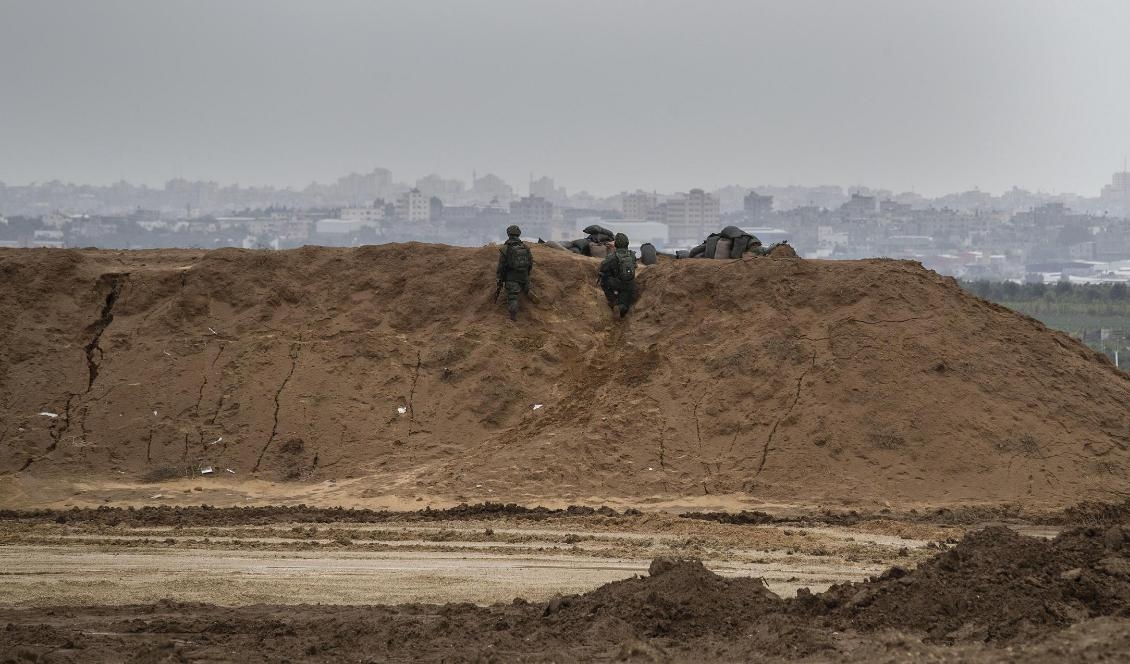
<point>996,588</point>
<point>784,379</point>
<point>205,515</point>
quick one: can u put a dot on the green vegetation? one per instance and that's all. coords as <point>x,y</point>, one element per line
<point>1099,314</point>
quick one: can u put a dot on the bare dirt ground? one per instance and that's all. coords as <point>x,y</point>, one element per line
<point>476,560</point>
<point>506,583</point>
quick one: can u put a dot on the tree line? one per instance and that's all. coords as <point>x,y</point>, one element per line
<point>1060,292</point>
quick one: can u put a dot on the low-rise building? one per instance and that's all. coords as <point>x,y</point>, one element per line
<point>52,238</point>
<point>337,226</point>
<point>368,215</point>
<point>859,208</point>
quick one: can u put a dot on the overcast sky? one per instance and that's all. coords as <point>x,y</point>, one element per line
<point>601,95</point>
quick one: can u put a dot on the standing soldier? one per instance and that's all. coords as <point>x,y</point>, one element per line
<point>618,276</point>
<point>514,265</point>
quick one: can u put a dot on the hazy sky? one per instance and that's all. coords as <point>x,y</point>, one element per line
<point>602,95</point>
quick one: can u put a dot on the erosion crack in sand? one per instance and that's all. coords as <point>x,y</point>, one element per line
<point>98,327</point>
<point>278,393</point>
<point>772,431</point>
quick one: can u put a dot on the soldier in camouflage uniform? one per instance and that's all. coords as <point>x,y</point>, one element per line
<point>515,262</point>
<point>618,277</point>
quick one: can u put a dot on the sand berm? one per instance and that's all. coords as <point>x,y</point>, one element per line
<point>805,381</point>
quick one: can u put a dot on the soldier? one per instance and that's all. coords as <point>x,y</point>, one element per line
<point>618,276</point>
<point>514,265</point>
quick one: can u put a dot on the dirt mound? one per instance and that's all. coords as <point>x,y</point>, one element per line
<point>205,515</point>
<point>996,585</point>
<point>680,599</point>
<point>855,381</point>
<point>783,251</point>
<point>995,588</point>
<point>742,518</point>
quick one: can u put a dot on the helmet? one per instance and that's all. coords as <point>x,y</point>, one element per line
<point>621,241</point>
<point>513,231</point>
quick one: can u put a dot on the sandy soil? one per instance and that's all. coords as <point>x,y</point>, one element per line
<point>387,371</point>
<point>481,561</point>
<point>106,584</point>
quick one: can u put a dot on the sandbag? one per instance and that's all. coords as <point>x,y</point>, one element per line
<point>555,244</point>
<point>575,250</point>
<point>648,255</point>
<point>682,253</point>
<point>600,237</point>
<point>731,232</point>
<point>722,248</point>
<point>711,246</point>
<point>597,250</point>
<point>597,230</point>
<point>740,246</point>
<point>697,252</point>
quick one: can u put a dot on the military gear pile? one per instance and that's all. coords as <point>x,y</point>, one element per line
<point>729,243</point>
<point>595,243</point>
<point>598,233</point>
<point>648,254</point>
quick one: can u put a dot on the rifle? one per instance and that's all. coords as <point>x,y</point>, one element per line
<point>497,291</point>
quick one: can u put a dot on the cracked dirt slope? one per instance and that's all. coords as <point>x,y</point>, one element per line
<point>794,380</point>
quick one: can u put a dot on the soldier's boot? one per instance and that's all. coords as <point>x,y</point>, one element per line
<point>513,308</point>
<point>623,310</point>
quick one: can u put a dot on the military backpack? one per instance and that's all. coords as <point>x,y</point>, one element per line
<point>518,258</point>
<point>626,265</point>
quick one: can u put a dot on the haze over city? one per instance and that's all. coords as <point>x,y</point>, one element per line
<point>931,97</point>
<point>565,330</point>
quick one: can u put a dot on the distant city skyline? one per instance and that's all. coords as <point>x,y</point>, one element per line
<point>931,97</point>
<point>521,187</point>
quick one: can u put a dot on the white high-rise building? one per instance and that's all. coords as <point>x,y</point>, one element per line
<point>639,206</point>
<point>1119,185</point>
<point>691,218</point>
<point>413,207</point>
